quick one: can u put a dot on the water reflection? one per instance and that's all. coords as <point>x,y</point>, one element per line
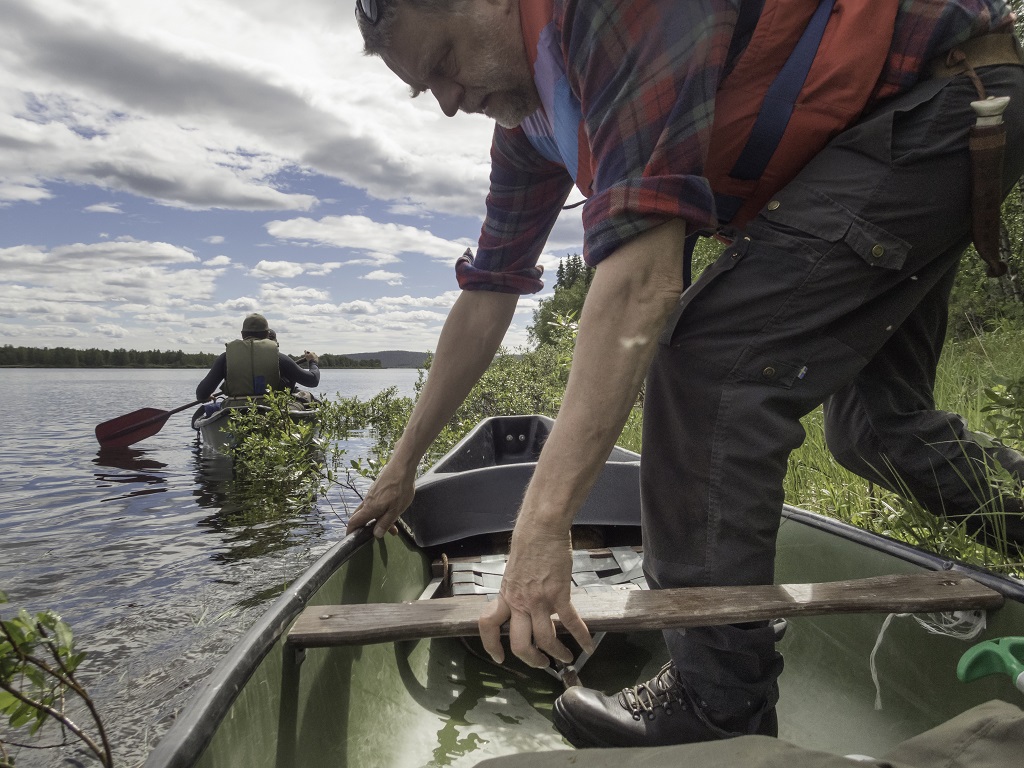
<point>130,459</point>
<point>253,518</point>
<point>136,468</point>
<point>150,556</point>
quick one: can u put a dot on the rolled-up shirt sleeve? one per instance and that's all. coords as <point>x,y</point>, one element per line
<point>525,198</point>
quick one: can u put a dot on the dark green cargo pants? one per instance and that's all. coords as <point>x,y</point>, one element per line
<point>837,294</point>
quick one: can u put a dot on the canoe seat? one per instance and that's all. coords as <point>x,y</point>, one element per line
<point>619,567</point>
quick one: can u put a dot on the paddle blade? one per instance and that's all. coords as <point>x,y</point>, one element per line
<point>130,428</point>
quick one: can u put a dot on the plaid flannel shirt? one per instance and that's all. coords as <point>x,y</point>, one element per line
<point>639,78</point>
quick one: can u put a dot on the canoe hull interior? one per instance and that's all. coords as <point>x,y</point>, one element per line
<point>438,703</point>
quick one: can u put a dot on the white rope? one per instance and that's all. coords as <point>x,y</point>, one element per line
<point>962,625</point>
<point>874,652</point>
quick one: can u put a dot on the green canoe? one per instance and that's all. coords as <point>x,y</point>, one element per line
<point>212,427</point>
<point>439,702</point>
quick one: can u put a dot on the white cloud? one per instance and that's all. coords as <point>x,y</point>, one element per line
<point>242,304</point>
<point>111,331</point>
<point>391,278</point>
<point>103,208</point>
<point>107,289</point>
<point>444,301</point>
<point>198,106</point>
<point>277,269</point>
<point>381,240</point>
<point>202,103</point>
<point>374,260</point>
<point>288,269</point>
<point>27,193</point>
<point>115,259</point>
<point>282,294</point>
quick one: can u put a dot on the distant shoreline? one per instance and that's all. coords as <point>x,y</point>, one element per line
<point>68,357</point>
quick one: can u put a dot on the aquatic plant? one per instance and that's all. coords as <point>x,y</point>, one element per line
<point>279,462</point>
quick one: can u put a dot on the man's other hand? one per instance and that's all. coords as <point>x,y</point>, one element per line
<point>389,496</point>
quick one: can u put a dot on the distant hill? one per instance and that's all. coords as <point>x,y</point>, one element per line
<point>393,358</point>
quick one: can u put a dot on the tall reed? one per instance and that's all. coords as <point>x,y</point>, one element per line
<point>815,481</point>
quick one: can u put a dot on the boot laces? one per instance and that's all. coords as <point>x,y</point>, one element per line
<point>663,690</point>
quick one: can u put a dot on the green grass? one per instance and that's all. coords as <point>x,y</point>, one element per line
<point>815,481</point>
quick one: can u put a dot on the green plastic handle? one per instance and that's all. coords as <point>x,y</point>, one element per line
<point>1004,655</point>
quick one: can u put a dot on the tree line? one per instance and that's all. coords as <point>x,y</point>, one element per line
<point>67,357</point>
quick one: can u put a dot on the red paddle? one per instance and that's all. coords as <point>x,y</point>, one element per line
<point>134,426</point>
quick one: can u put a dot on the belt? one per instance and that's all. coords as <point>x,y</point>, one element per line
<point>984,51</point>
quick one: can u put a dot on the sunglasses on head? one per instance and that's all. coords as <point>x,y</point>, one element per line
<point>369,10</point>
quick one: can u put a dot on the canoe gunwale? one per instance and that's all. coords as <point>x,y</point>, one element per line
<point>185,742</point>
<point>1006,586</point>
<point>202,716</point>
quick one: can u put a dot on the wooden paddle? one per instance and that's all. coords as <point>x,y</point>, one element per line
<point>618,609</point>
<point>134,426</point>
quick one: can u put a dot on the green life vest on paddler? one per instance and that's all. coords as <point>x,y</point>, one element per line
<point>252,367</point>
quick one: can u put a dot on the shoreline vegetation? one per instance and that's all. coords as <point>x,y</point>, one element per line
<point>980,376</point>
<point>67,357</point>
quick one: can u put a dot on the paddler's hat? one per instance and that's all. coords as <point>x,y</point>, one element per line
<point>255,323</point>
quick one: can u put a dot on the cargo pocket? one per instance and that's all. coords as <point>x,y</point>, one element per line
<point>803,217</point>
<point>769,369</point>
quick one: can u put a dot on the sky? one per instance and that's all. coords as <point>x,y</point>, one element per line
<point>167,167</point>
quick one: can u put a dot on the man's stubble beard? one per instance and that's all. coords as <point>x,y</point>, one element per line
<point>510,71</point>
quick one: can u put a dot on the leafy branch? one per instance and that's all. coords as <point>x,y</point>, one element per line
<point>33,689</point>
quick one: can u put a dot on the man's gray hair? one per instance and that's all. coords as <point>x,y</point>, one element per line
<point>377,37</point>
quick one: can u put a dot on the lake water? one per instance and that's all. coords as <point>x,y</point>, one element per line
<point>142,551</point>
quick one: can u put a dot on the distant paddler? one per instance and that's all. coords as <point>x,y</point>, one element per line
<point>252,365</point>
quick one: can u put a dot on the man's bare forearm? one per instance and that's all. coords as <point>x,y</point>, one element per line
<point>471,335</point>
<point>631,297</point>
